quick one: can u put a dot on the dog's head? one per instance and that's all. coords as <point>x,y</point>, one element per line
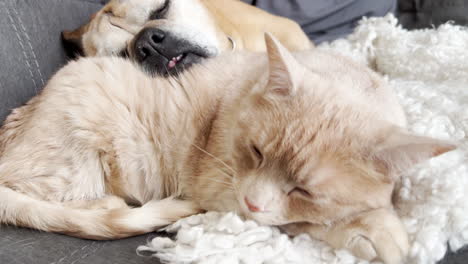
<point>164,36</point>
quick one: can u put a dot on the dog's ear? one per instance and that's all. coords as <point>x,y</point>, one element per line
<point>72,42</point>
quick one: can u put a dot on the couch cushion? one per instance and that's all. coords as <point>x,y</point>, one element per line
<point>25,246</point>
<point>30,50</point>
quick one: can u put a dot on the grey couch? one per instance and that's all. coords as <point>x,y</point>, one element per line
<point>30,52</point>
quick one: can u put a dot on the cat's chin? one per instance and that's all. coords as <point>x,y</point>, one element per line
<point>265,218</point>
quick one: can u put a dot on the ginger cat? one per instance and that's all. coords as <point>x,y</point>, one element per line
<point>311,142</point>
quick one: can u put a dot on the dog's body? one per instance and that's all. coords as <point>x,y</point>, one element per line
<point>166,36</point>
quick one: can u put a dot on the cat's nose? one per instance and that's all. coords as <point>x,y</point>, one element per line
<point>252,207</point>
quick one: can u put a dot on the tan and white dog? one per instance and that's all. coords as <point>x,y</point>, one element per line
<point>167,36</point>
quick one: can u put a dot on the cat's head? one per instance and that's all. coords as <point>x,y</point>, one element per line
<point>300,154</point>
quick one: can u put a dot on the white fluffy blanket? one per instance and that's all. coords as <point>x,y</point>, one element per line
<point>429,71</point>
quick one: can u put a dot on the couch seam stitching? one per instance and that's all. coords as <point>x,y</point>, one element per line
<point>86,251</point>
<point>94,247</point>
<point>13,24</point>
<point>23,29</point>
<point>88,2</point>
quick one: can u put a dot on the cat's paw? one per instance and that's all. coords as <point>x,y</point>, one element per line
<point>378,234</point>
<point>362,247</point>
<point>173,209</point>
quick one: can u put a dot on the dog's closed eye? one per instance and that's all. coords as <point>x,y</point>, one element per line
<point>160,13</point>
<point>122,24</point>
<point>124,53</point>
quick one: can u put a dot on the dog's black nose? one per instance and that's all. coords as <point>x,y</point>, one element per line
<point>147,43</point>
<point>164,52</point>
<point>156,35</point>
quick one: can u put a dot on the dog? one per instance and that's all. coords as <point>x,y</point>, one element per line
<point>167,36</point>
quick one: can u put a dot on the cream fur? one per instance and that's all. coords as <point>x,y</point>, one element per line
<point>310,132</point>
<point>428,71</point>
<point>204,23</point>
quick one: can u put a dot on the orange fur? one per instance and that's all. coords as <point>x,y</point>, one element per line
<point>312,141</point>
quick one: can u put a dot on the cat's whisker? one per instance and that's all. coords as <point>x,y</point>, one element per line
<point>226,185</point>
<point>226,180</point>
<point>215,179</point>
<point>215,158</point>
<point>225,173</point>
<point>203,66</point>
<point>181,86</point>
<point>167,70</point>
<point>175,78</point>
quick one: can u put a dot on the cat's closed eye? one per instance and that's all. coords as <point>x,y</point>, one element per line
<point>300,191</point>
<point>258,155</point>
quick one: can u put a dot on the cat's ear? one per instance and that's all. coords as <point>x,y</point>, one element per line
<point>285,73</point>
<point>401,150</point>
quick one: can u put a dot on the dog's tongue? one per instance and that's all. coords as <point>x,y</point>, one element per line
<point>172,63</point>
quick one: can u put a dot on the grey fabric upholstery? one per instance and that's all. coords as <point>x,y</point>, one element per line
<point>24,246</point>
<point>30,52</point>
<point>415,14</point>
<point>326,20</point>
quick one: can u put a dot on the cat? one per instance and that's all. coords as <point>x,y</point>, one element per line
<point>311,142</point>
